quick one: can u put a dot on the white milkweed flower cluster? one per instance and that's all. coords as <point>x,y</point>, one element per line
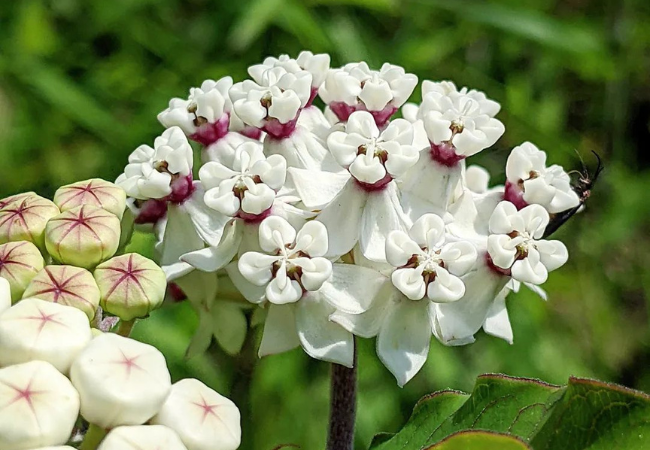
<point>345,220</point>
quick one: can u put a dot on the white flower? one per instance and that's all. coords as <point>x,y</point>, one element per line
<point>143,437</point>
<point>289,275</point>
<point>316,65</point>
<point>356,87</point>
<point>248,186</point>
<point>274,101</point>
<point>515,247</point>
<point>531,181</point>
<point>204,419</point>
<point>456,125</point>
<point>422,264</point>
<point>38,406</point>
<point>489,107</point>
<point>35,329</point>
<point>426,264</point>
<point>363,208</point>
<point>5,295</point>
<point>293,263</point>
<point>204,116</point>
<point>372,156</point>
<point>121,381</point>
<point>151,171</point>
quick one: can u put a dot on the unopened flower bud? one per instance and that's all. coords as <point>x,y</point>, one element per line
<point>143,437</point>
<point>5,295</point>
<point>93,192</point>
<point>204,419</point>
<point>34,329</point>
<point>83,236</point>
<point>121,381</point>
<point>131,286</point>
<point>42,406</point>
<point>66,285</point>
<point>19,263</point>
<point>15,198</point>
<point>25,218</point>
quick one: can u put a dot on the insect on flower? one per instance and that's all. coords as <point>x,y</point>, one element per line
<point>582,187</point>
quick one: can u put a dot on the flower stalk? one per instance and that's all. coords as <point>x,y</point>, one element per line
<point>343,406</point>
<point>125,327</point>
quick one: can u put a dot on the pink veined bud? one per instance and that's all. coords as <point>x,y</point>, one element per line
<point>66,285</point>
<point>83,236</point>
<point>19,264</point>
<point>131,286</point>
<point>25,219</point>
<point>93,192</point>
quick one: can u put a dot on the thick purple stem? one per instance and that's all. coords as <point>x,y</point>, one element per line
<point>343,406</point>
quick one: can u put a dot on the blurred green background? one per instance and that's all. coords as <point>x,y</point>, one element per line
<point>81,83</point>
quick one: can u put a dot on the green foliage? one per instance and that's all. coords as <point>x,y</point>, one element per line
<point>81,82</point>
<point>505,412</point>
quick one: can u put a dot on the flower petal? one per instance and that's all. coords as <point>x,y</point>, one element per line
<point>382,214</point>
<point>343,214</point>
<point>319,337</point>
<point>403,340</point>
<point>280,332</point>
<point>353,289</point>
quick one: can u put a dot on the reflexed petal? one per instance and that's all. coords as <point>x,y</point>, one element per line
<point>212,259</point>
<point>553,254</point>
<point>321,338</point>
<point>353,289</point>
<point>410,282</point>
<point>312,239</point>
<point>446,287</point>
<point>403,340</point>
<point>256,267</point>
<point>316,188</point>
<point>209,223</point>
<point>368,323</point>
<point>343,214</point>
<point>276,233</point>
<point>497,322</point>
<point>382,214</point>
<point>400,248</point>
<point>251,292</point>
<point>280,333</point>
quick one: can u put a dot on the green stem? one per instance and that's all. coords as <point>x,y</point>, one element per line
<point>125,327</point>
<point>93,437</point>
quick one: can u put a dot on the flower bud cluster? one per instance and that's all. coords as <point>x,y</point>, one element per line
<point>346,221</point>
<point>54,372</point>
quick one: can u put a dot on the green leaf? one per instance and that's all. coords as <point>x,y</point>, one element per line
<point>597,416</point>
<point>480,440</point>
<point>526,413</point>
<point>498,403</point>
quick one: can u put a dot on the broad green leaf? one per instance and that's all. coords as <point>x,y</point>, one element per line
<point>525,413</point>
<point>597,416</point>
<point>480,440</point>
<point>498,403</point>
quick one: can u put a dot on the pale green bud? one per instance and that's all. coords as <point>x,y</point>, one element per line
<point>93,192</point>
<point>19,264</point>
<point>24,217</point>
<point>83,236</point>
<point>131,286</point>
<point>66,285</point>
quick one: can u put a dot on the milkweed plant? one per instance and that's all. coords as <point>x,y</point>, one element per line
<point>361,219</point>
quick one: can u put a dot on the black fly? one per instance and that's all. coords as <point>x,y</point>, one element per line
<point>582,187</point>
